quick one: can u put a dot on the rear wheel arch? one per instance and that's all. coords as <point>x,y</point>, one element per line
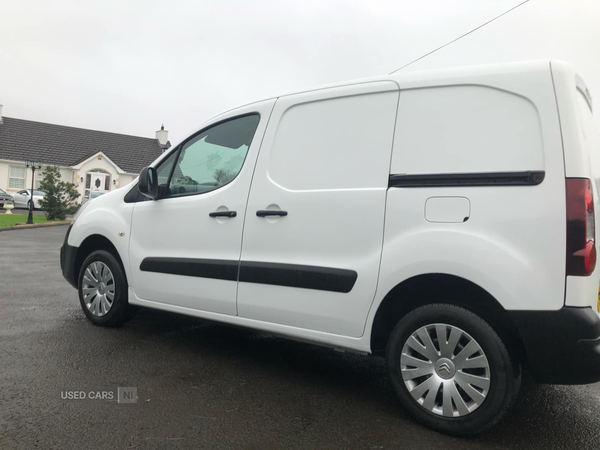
<point>435,288</point>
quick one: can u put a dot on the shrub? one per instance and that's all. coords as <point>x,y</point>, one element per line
<point>60,195</point>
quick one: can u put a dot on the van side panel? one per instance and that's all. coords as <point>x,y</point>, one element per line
<point>575,154</point>
<point>582,160</point>
<point>325,162</point>
<point>466,129</point>
<point>513,242</point>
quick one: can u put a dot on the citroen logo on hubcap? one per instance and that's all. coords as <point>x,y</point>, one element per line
<point>445,368</point>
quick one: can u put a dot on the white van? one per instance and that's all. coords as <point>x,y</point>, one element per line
<point>443,219</point>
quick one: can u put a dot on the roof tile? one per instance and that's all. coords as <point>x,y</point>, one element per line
<point>21,140</point>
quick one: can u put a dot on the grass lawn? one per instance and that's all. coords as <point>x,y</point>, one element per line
<point>8,220</point>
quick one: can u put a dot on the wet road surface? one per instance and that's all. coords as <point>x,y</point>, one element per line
<point>204,385</point>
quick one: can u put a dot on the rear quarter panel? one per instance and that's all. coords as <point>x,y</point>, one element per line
<point>513,244</point>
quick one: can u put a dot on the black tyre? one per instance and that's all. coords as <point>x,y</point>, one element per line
<point>451,371</point>
<point>102,287</point>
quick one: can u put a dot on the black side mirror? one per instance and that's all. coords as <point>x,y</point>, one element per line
<point>148,184</point>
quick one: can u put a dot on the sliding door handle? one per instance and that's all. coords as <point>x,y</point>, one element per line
<point>271,212</point>
<point>223,214</point>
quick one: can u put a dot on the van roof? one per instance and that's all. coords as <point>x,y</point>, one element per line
<point>407,80</point>
<point>436,77</point>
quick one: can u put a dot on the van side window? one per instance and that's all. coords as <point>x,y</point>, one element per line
<point>213,157</point>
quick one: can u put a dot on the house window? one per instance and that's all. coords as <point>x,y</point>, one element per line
<point>16,177</point>
<point>39,177</point>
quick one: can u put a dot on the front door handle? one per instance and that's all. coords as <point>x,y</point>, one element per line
<point>223,214</point>
<point>271,212</point>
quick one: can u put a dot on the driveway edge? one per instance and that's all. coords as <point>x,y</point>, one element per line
<point>36,225</point>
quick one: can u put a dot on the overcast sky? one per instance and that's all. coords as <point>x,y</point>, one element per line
<point>128,66</point>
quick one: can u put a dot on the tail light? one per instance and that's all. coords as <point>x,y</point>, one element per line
<point>581,231</point>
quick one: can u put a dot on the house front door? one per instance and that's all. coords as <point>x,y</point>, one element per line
<point>98,181</point>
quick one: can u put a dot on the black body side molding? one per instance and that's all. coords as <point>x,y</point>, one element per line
<point>528,178</point>
<point>219,269</point>
<point>300,276</point>
<point>292,275</point>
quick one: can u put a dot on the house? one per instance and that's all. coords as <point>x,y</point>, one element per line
<point>92,160</point>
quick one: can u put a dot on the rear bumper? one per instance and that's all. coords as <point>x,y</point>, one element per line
<point>67,260</point>
<point>562,347</point>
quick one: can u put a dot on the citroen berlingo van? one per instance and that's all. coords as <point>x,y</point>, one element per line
<point>444,220</point>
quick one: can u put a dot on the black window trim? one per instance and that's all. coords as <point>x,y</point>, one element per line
<point>129,196</point>
<point>177,152</point>
<point>189,138</point>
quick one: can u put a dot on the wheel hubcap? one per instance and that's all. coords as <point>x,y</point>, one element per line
<point>98,288</point>
<point>445,370</point>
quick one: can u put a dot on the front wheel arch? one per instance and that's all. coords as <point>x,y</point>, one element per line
<point>92,243</point>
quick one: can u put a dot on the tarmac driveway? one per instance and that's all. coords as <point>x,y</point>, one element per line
<point>203,385</point>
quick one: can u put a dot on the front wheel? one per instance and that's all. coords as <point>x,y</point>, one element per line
<point>451,371</point>
<point>102,290</point>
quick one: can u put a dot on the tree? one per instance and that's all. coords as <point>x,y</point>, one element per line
<point>60,195</point>
<point>224,176</point>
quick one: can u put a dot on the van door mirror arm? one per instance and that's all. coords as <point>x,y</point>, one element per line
<point>148,184</point>
<point>163,191</point>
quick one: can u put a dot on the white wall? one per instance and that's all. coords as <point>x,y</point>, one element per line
<point>125,180</point>
<point>4,175</point>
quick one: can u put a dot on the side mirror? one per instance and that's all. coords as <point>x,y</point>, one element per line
<point>148,184</point>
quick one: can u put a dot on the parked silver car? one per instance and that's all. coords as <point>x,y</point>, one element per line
<point>91,195</point>
<point>5,198</point>
<point>23,198</point>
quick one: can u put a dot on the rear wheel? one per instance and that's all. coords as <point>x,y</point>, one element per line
<point>451,371</point>
<point>103,290</point>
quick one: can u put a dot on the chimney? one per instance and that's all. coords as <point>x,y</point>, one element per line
<point>162,136</point>
<point>0,113</point>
